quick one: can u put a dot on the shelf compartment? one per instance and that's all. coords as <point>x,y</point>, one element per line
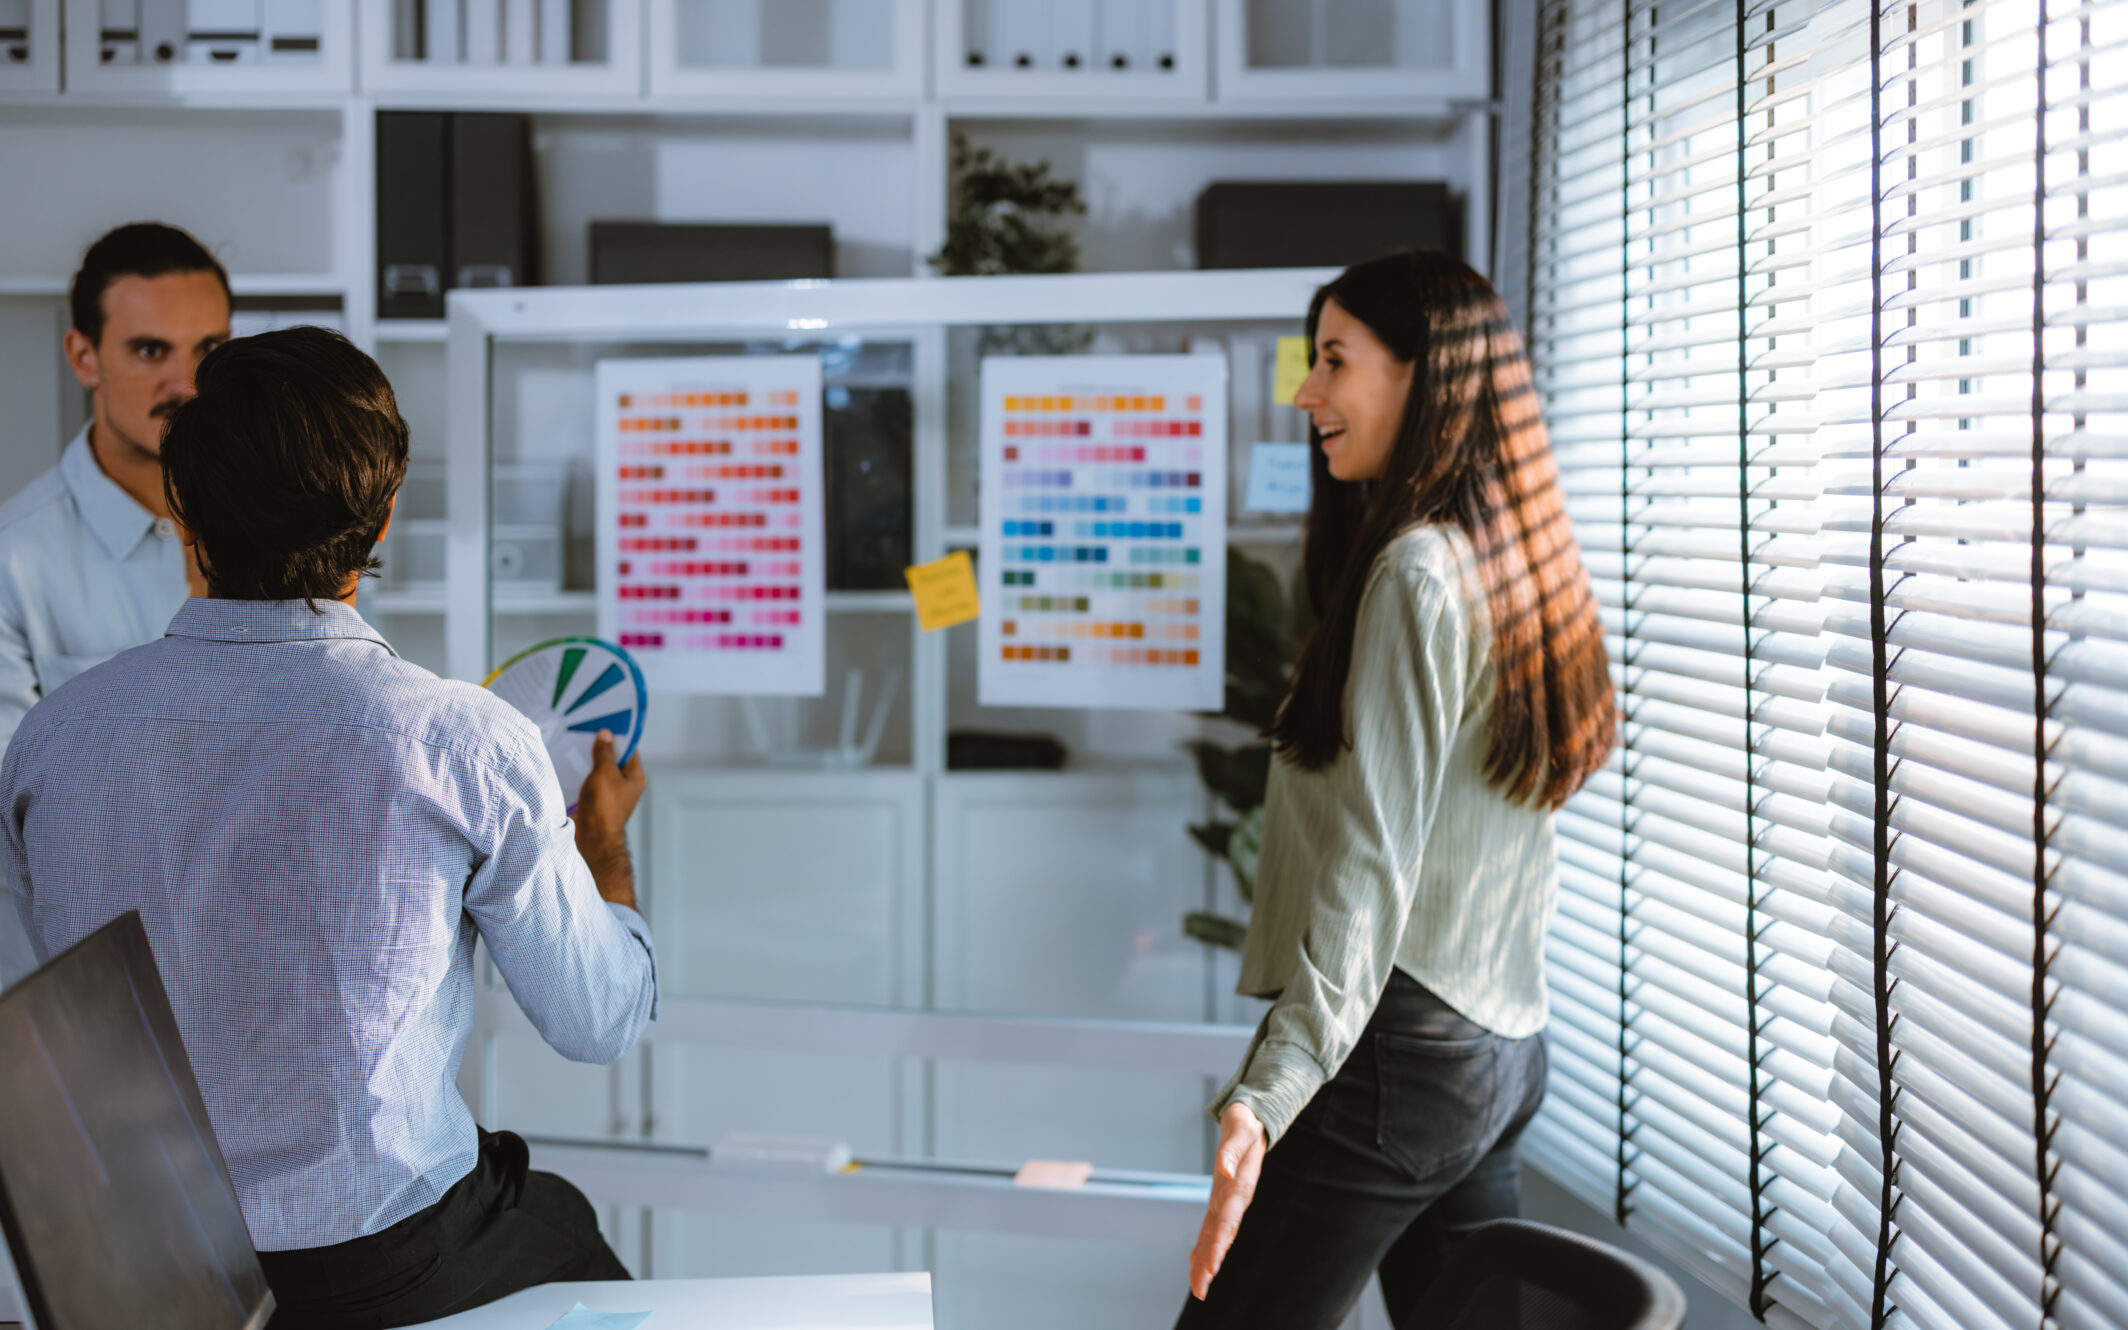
<point>29,47</point>
<point>797,52</point>
<point>519,53</point>
<point>179,48</point>
<point>1091,52</point>
<point>1380,51</point>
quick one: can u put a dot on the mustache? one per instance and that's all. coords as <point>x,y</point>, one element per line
<point>162,409</point>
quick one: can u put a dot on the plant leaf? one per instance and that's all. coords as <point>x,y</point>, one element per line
<point>1218,930</point>
<point>1236,776</point>
<point>1213,836</point>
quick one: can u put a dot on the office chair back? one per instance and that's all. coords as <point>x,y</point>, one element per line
<point>1516,1275</point>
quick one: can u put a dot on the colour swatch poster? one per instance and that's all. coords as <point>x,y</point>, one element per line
<point>1104,532</point>
<point>711,563</point>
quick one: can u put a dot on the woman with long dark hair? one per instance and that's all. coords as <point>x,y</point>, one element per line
<point>1454,693</point>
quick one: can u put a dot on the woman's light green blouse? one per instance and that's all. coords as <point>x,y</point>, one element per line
<point>1400,852</point>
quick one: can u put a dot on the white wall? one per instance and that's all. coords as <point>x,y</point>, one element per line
<point>1140,181</point>
<point>855,175</point>
<point>74,174</point>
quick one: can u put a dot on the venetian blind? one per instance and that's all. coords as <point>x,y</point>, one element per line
<point>1829,308</point>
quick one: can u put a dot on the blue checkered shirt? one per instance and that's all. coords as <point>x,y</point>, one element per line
<point>315,832</point>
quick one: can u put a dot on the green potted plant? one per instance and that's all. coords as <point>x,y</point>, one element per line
<point>1265,627</point>
<point>1005,217</point>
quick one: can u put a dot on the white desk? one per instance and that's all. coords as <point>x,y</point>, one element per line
<point>813,1302</point>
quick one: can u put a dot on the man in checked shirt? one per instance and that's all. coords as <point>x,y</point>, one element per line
<point>315,833</point>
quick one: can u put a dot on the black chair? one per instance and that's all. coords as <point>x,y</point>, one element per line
<point>1515,1275</point>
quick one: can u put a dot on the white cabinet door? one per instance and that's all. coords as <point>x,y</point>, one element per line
<point>1063,895</point>
<point>811,52</point>
<point>785,887</point>
<point>1380,52</point>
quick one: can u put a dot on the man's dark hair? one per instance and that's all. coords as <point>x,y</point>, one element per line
<point>137,249</point>
<point>284,464</point>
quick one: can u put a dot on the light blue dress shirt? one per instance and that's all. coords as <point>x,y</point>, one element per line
<point>315,833</point>
<point>85,572</point>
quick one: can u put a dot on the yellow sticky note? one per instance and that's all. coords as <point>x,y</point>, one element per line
<point>944,590</point>
<point>1292,368</point>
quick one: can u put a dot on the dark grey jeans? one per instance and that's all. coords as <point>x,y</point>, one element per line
<point>1409,1147</point>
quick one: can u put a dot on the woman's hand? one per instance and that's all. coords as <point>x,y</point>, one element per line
<point>1234,1170</point>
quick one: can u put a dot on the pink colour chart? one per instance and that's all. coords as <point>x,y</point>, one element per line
<point>711,562</point>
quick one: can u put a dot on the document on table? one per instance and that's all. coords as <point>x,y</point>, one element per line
<point>581,1317</point>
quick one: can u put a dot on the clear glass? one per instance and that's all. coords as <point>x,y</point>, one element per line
<point>1250,349</point>
<point>786,34</point>
<point>406,601</point>
<point>542,561</point>
<point>1351,34</point>
<point>909,882</point>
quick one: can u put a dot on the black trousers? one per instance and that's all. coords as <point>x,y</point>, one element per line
<point>1409,1147</point>
<point>500,1229</point>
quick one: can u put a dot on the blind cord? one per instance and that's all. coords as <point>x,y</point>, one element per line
<point>1753,1107</point>
<point>1622,1206</point>
<point>2042,1080</point>
<point>1880,690</point>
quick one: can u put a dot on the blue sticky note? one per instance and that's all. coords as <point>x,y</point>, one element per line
<point>1278,478</point>
<point>581,1317</point>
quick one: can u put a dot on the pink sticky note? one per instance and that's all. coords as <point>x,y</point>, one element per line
<point>1052,1173</point>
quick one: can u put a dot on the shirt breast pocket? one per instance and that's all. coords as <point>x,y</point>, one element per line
<point>54,670</point>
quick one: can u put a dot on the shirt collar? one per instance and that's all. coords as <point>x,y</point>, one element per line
<point>271,621</point>
<point>115,516</point>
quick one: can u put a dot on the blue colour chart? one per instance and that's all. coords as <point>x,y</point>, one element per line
<point>1103,553</point>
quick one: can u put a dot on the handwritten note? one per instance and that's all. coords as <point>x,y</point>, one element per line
<point>1278,478</point>
<point>944,590</point>
<point>1292,369</point>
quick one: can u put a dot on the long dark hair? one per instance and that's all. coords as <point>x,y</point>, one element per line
<point>1471,451</point>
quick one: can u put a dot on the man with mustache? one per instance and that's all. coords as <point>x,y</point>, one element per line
<point>90,561</point>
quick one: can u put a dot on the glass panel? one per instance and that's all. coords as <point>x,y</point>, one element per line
<point>1351,34</point>
<point>786,34</point>
<point>406,601</point>
<point>1251,351</point>
<point>542,549</point>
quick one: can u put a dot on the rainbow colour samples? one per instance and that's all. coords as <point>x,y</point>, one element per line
<point>710,524</point>
<point>573,687</point>
<point>1104,531</point>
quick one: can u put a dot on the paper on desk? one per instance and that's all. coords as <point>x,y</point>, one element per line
<point>581,1317</point>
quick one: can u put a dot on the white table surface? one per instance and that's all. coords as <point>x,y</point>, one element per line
<point>810,1302</point>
